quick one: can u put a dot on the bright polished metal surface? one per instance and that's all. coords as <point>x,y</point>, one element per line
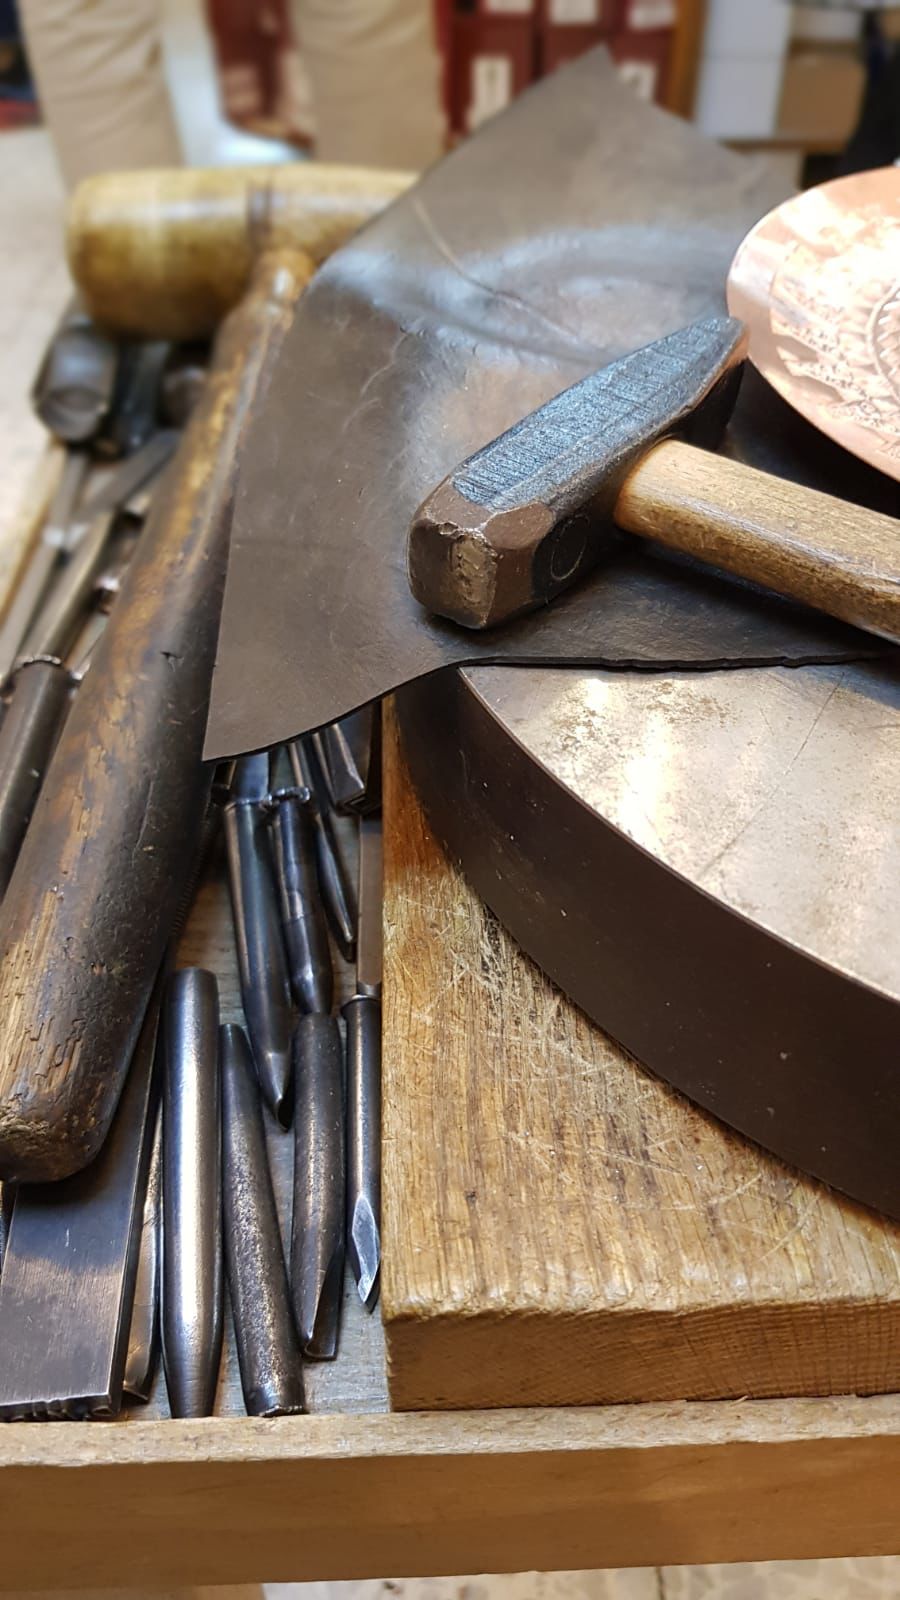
<point>774,790</point>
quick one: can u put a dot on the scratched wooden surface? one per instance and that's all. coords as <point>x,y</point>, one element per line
<point>562,1228</point>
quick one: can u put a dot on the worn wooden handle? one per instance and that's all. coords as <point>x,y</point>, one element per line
<point>94,894</point>
<point>165,254</point>
<point>840,558</point>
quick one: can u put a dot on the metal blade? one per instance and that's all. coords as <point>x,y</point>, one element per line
<point>69,1271</point>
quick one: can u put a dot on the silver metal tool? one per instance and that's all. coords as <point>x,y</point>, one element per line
<point>68,1277</point>
<point>192,1194</point>
<point>338,895</point>
<point>265,1332</point>
<point>51,632</point>
<point>7,1201</point>
<point>257,927</point>
<point>317,1234</point>
<point>362,1015</point>
<point>41,691</point>
<point>142,1358</point>
<point>32,585</point>
<point>302,914</point>
<point>73,390</point>
<point>350,751</point>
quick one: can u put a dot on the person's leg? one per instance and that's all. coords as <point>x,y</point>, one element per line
<point>98,67</point>
<point>375,78</point>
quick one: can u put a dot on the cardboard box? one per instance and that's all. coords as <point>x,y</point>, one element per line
<point>821,96</point>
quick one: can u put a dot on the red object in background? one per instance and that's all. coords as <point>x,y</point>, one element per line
<point>493,49</point>
<point>493,60</point>
<point>261,77</point>
<point>643,59</point>
<point>559,45</point>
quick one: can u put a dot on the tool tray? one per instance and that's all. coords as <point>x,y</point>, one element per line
<point>353,1490</point>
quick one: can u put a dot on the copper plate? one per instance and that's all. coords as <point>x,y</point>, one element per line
<point>818,284</point>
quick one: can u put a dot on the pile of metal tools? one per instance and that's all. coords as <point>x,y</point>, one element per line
<point>135,1253</point>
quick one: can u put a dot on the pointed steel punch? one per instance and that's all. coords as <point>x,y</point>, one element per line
<point>260,943</point>
<point>317,1234</point>
<point>362,1015</point>
<point>192,1317</point>
<point>265,1333</point>
<point>338,897</point>
<point>302,915</point>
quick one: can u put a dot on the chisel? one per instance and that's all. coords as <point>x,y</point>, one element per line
<point>302,916</point>
<point>142,1359</point>
<point>317,1233</point>
<point>265,1333</point>
<point>338,897</point>
<point>362,1015</point>
<point>67,1285</point>
<point>191,1306</point>
<point>260,943</point>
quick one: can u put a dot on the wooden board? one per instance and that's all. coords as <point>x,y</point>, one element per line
<point>560,1227</point>
<point>342,1497</point>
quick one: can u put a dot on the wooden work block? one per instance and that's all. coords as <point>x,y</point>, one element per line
<point>561,1227</point>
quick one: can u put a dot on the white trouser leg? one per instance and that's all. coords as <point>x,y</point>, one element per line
<point>374,70</point>
<point>98,67</point>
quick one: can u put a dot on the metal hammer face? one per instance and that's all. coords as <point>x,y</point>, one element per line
<point>531,513</point>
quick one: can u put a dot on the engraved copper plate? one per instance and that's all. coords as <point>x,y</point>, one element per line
<point>818,284</point>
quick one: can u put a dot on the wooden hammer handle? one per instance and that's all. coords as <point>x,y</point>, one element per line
<point>95,891</point>
<point>838,557</point>
<point>165,254</point>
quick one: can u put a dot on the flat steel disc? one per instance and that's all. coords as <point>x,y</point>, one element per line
<point>818,284</point>
<point>708,864</point>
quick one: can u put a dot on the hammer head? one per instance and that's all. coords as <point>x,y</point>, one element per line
<point>532,512</point>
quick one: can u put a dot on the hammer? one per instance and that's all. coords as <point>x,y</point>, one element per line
<point>531,513</point>
<point>96,888</point>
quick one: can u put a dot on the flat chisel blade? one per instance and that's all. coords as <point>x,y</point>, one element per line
<point>68,1277</point>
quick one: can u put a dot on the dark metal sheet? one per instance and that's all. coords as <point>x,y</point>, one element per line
<point>579,225</point>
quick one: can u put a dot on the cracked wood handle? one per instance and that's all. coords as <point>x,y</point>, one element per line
<point>96,888</point>
<point>165,254</point>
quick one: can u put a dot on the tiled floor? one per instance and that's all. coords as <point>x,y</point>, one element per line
<point>33,287</point>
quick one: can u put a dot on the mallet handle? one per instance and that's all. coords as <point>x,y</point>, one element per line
<point>812,547</point>
<point>165,254</point>
<point>97,885</point>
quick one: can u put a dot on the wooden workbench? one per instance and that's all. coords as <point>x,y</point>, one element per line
<point>355,1491</point>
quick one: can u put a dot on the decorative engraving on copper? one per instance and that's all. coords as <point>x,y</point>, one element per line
<point>818,283</point>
